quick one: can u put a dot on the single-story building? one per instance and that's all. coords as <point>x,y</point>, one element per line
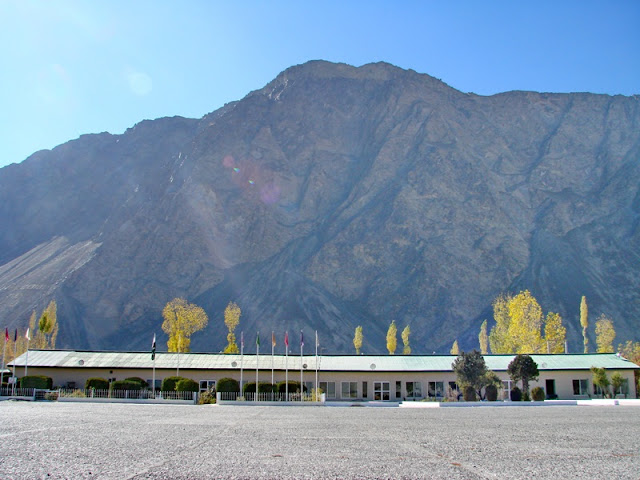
<point>341,377</point>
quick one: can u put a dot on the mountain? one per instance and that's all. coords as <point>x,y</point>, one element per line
<point>333,197</point>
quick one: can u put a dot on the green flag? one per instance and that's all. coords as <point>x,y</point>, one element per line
<point>258,339</point>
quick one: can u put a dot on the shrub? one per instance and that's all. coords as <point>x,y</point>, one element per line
<point>228,385</point>
<point>293,386</point>
<point>537,394</point>
<point>491,393</point>
<point>143,383</point>
<point>469,394</point>
<point>206,398</point>
<point>249,387</point>
<point>169,384</point>
<point>125,385</point>
<point>36,381</point>
<point>526,397</point>
<point>516,394</point>
<point>96,383</point>
<point>266,387</point>
<point>187,385</point>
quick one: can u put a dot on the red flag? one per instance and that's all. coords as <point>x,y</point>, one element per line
<point>286,338</point>
<point>6,334</point>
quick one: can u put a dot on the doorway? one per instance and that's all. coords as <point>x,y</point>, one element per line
<point>550,385</point>
<point>381,390</point>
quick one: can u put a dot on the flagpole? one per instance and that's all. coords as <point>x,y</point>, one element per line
<point>301,366</point>
<point>178,370</point>
<point>316,396</point>
<point>241,357</point>
<point>26,361</point>
<point>153,358</point>
<point>286,366</point>
<point>273,346</point>
<point>15,340</point>
<point>4,351</point>
<point>257,359</point>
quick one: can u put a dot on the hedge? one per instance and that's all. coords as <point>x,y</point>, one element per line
<point>125,385</point>
<point>36,381</point>
<point>169,384</point>
<point>228,385</point>
<point>97,383</point>
<point>187,385</point>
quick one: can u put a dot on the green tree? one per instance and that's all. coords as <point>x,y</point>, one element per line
<point>471,370</point>
<point>601,380</point>
<point>455,350</point>
<point>483,338</point>
<point>357,339</point>
<point>584,322</point>
<point>405,340</point>
<point>617,380</point>
<point>605,334</point>
<point>181,320</point>
<point>231,320</point>
<point>631,351</point>
<point>555,333</point>
<point>524,368</point>
<point>392,338</point>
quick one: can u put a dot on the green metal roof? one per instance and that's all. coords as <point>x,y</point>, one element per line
<point>328,363</point>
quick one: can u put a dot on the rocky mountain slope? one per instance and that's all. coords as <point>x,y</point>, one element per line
<point>335,196</point>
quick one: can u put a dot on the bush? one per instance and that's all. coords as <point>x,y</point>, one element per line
<point>169,384</point>
<point>228,385</point>
<point>491,393</point>
<point>516,394</point>
<point>96,383</point>
<point>36,381</point>
<point>538,394</point>
<point>187,385</point>
<point>293,387</point>
<point>125,385</point>
<point>469,394</point>
<point>143,383</point>
<point>206,398</point>
<point>249,387</point>
<point>526,397</point>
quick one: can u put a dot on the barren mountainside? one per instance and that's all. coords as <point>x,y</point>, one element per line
<point>333,197</point>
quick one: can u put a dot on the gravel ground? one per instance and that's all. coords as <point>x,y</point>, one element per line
<point>124,441</point>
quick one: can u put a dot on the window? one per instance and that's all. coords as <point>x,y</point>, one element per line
<point>398,389</point>
<point>206,385</point>
<point>158,383</point>
<point>624,388</point>
<point>581,387</point>
<point>329,389</point>
<point>309,387</point>
<point>414,390</point>
<point>365,394</point>
<point>349,389</point>
<point>436,389</point>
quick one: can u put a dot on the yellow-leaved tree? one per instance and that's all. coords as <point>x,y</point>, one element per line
<point>605,334</point>
<point>405,340</point>
<point>483,339</point>
<point>392,338</point>
<point>357,339</point>
<point>231,320</point>
<point>519,326</point>
<point>47,332</point>
<point>455,350</point>
<point>584,322</point>
<point>181,320</point>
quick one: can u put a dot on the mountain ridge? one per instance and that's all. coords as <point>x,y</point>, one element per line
<point>336,196</point>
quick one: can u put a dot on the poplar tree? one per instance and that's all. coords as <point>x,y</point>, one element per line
<point>605,334</point>
<point>499,340</point>
<point>455,350</point>
<point>48,325</point>
<point>231,320</point>
<point>555,333</point>
<point>405,340</point>
<point>181,320</point>
<point>584,322</point>
<point>392,339</point>
<point>483,338</point>
<point>357,339</point>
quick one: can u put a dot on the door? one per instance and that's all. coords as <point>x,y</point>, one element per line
<point>550,385</point>
<point>381,390</point>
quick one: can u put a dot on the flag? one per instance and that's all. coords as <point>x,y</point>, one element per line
<point>15,336</point>
<point>153,348</point>
<point>258,339</point>
<point>241,339</point>
<point>286,339</point>
<point>26,335</point>
<point>317,342</point>
<point>273,339</point>
<point>301,339</point>
<point>6,334</point>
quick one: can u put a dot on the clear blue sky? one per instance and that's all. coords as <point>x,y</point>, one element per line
<point>74,67</point>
